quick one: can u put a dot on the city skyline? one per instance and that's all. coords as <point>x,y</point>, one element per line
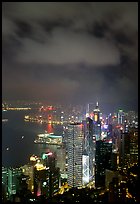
<point>93,153</point>
<point>71,53</point>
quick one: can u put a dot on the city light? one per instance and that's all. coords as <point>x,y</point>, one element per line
<point>70,129</point>
<point>45,155</point>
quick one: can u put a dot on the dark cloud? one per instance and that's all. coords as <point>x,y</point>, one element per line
<point>23,29</point>
<point>71,52</point>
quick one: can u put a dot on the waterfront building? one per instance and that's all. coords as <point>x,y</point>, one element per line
<point>48,138</point>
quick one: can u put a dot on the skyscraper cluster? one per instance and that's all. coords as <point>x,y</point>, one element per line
<point>81,148</point>
<point>98,154</point>
<point>93,147</point>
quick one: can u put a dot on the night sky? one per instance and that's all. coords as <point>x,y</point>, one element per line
<point>70,52</point>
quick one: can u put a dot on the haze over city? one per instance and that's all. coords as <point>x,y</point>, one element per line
<point>70,52</point>
<point>70,102</point>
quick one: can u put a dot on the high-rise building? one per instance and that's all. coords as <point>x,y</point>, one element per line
<point>41,182</point>
<point>109,119</point>
<point>103,161</point>
<point>134,146</point>
<point>124,149</point>
<point>74,152</point>
<point>88,152</point>
<point>114,160</point>
<point>13,181</point>
<point>132,116</point>
<point>89,110</point>
<point>28,170</point>
<point>97,123</point>
<point>46,176</point>
<point>128,147</point>
<point>4,183</point>
<point>121,117</point>
<point>46,181</point>
<point>5,176</point>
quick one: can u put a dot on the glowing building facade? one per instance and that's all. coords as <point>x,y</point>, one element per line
<point>97,123</point>
<point>89,110</point>
<point>120,117</point>
<point>128,147</point>
<point>46,176</point>
<point>28,170</point>
<point>75,150</point>
<point>89,152</point>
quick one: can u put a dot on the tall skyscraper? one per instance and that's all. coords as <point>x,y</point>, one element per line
<point>75,150</point>
<point>124,149</point>
<point>88,152</point>
<point>128,147</point>
<point>28,170</point>
<point>46,176</point>
<point>133,145</point>
<point>120,117</point>
<point>97,123</point>
<point>89,110</point>
<point>103,161</point>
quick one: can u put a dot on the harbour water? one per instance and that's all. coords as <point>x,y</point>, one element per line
<point>18,139</point>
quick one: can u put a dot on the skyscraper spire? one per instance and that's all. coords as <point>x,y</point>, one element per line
<point>97,122</point>
<point>97,104</point>
<point>97,107</point>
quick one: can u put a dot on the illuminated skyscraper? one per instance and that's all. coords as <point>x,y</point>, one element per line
<point>124,148</point>
<point>128,147</point>
<point>89,152</point>
<point>134,145</point>
<point>120,117</point>
<point>27,170</point>
<point>132,117</point>
<point>97,123</point>
<point>89,110</point>
<point>46,176</point>
<point>75,149</point>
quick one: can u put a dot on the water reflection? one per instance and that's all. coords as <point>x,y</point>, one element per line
<point>49,128</point>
